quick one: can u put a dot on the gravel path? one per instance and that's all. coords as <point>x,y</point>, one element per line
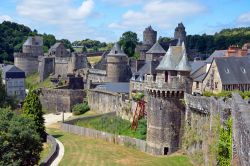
<point>53,118</point>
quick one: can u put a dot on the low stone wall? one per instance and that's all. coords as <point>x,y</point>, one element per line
<point>103,102</point>
<point>241,129</point>
<point>53,152</point>
<point>108,137</point>
<point>202,117</point>
<point>59,100</point>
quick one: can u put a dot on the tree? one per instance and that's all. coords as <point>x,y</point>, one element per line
<point>84,49</point>
<point>20,144</point>
<point>128,41</point>
<point>67,44</point>
<point>164,39</point>
<point>2,92</point>
<point>32,108</point>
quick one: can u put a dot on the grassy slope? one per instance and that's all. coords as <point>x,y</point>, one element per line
<point>32,81</point>
<point>85,151</point>
<point>94,59</point>
<point>116,125</point>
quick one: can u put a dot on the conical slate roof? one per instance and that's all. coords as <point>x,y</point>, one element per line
<point>184,64</point>
<point>156,49</point>
<point>167,62</point>
<point>175,59</point>
<point>116,50</point>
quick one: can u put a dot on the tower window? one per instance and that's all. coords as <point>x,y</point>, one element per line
<point>243,70</point>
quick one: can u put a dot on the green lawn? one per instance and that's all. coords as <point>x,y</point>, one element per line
<point>115,125</point>
<point>33,81</point>
<point>93,152</point>
<point>94,59</point>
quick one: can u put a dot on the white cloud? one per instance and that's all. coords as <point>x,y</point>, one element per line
<point>124,2</point>
<point>54,11</point>
<point>5,18</point>
<point>67,20</point>
<point>244,18</point>
<point>160,13</point>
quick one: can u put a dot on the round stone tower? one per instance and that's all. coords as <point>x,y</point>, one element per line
<point>27,60</point>
<point>149,36</point>
<point>117,65</point>
<point>180,33</point>
<point>165,112</point>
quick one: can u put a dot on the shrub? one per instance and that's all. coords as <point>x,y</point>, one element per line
<point>138,96</point>
<point>225,144</point>
<point>79,109</point>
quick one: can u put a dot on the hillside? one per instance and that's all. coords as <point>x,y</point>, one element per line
<point>13,35</point>
<point>208,43</point>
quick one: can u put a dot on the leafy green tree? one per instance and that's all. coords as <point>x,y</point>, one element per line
<point>48,41</point>
<point>32,108</point>
<point>20,144</point>
<point>128,41</point>
<point>67,44</point>
<point>84,49</point>
<point>164,39</point>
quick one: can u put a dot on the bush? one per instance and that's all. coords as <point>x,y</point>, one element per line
<point>138,96</point>
<point>79,109</point>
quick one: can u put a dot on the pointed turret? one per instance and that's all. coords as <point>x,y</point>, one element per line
<point>166,62</point>
<point>184,64</point>
<point>116,50</point>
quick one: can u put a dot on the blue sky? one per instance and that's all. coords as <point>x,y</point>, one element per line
<point>106,20</point>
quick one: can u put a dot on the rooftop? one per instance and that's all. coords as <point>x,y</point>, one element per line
<point>11,71</point>
<point>156,49</point>
<point>118,87</point>
<point>116,50</point>
<point>234,70</point>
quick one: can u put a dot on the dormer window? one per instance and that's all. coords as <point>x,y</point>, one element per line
<point>227,70</point>
<point>243,70</point>
<point>115,52</point>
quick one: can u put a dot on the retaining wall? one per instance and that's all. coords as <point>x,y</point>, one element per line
<point>53,152</point>
<point>108,137</point>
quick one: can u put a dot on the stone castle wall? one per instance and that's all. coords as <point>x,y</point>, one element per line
<point>26,62</point>
<point>203,115</point>
<point>46,67</point>
<point>241,129</point>
<point>164,133</point>
<point>103,101</point>
<point>59,100</point>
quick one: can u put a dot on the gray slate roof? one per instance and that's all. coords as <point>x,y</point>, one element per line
<point>148,68</point>
<point>234,70</point>
<point>116,50</point>
<point>34,40</point>
<point>11,71</point>
<point>175,59</point>
<point>215,54</point>
<point>200,78</point>
<point>118,87</point>
<point>156,49</point>
<point>196,65</point>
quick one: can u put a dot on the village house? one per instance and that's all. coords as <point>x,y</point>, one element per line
<point>13,78</point>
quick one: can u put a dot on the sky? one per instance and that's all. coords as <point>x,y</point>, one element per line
<point>106,20</point>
